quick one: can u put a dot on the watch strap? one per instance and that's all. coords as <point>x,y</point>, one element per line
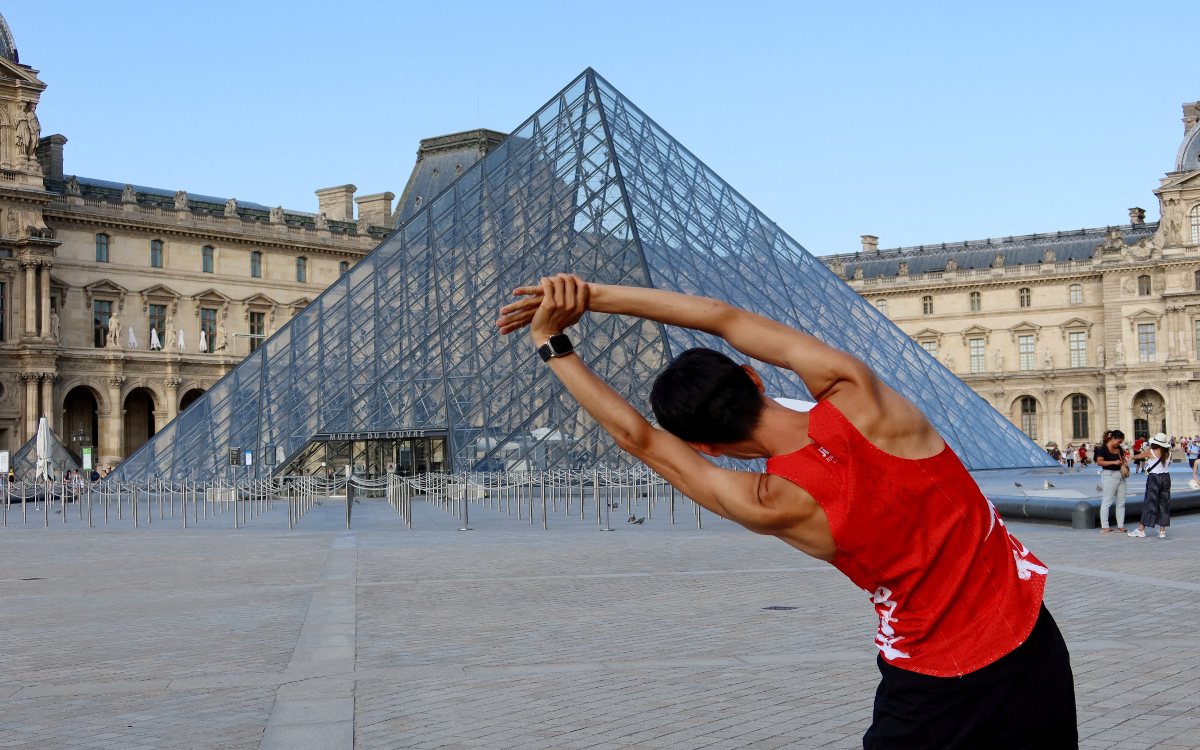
<point>559,345</point>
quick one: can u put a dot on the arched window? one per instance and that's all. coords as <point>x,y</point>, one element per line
<point>1195,221</point>
<point>1079,418</point>
<point>156,254</point>
<point>1077,293</point>
<point>301,268</point>
<point>102,249</point>
<point>206,261</point>
<point>256,264</point>
<point>881,306</point>
<point>1144,286</point>
<point>343,267</point>
<point>976,302</point>
<point>1029,417</point>
<point>1024,297</point>
<point>927,305</point>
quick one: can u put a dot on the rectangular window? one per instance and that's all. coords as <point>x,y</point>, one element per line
<point>102,248</point>
<point>976,302</point>
<point>1197,339</point>
<point>927,305</point>
<point>1079,349</point>
<point>978,356</point>
<point>931,347</point>
<point>208,324</point>
<point>1146,346</point>
<point>101,312</point>
<point>256,265</point>
<point>301,269</point>
<point>1028,350</point>
<point>156,253</point>
<point>207,259</point>
<point>1077,294</point>
<point>158,322</point>
<point>1079,417</point>
<point>1,311</point>
<point>257,328</point>
<point>343,267</point>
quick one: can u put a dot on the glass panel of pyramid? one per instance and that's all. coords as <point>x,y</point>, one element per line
<point>405,342</point>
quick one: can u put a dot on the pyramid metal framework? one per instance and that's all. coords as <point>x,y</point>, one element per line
<point>405,341</point>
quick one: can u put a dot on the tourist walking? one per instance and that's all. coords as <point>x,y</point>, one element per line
<point>1069,455</point>
<point>1083,455</point>
<point>1114,469</point>
<point>1138,463</point>
<point>1156,506</point>
<point>969,655</point>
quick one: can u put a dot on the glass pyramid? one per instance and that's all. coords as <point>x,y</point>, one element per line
<point>405,341</point>
<point>24,461</point>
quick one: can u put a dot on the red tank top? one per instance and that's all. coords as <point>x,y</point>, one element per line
<point>954,591</point>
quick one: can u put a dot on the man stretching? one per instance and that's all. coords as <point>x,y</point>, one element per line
<point>969,655</point>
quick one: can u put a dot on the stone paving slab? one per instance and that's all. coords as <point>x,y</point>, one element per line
<point>508,636</point>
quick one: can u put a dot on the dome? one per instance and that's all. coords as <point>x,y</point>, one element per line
<point>8,46</point>
<point>1188,159</point>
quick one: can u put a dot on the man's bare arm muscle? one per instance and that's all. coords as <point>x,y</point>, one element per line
<point>764,504</point>
<point>886,419</point>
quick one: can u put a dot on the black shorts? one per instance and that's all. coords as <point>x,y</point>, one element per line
<point>1023,701</point>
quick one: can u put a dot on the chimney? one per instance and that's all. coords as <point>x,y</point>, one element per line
<point>50,156</point>
<point>870,243</point>
<point>1137,216</point>
<point>376,209</point>
<point>337,203</point>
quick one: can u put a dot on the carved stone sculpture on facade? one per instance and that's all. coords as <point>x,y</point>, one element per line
<point>1128,285</point>
<point>363,226</point>
<point>181,200</point>
<point>169,338</point>
<point>950,362</point>
<point>321,222</point>
<point>12,226</point>
<point>1101,357</point>
<point>222,338</point>
<point>1048,362</point>
<point>1113,242</point>
<point>998,261</point>
<point>73,187</point>
<point>838,267</point>
<point>231,207</point>
<point>858,273</point>
<point>53,323</point>
<point>114,332</point>
<point>952,265</point>
<point>277,215</point>
<point>903,270</point>
<point>129,195</point>
<point>1120,353</point>
<point>29,132</point>
<point>999,361</point>
<point>1048,255</point>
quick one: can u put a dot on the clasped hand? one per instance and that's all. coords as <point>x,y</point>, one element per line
<point>549,308</point>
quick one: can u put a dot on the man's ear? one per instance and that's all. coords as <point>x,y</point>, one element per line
<point>755,378</point>
<point>708,449</point>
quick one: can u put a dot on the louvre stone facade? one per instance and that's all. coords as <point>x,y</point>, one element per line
<point>1066,333</point>
<point>85,263</point>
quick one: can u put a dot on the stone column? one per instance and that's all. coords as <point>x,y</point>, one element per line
<point>112,426</point>
<point>30,267</point>
<point>30,379</point>
<point>172,399</point>
<point>1055,433</point>
<point>47,407</point>
<point>44,330</point>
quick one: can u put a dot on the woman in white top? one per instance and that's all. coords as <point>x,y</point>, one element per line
<point>1156,507</point>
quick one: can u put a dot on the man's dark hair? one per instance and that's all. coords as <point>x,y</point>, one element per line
<point>706,397</point>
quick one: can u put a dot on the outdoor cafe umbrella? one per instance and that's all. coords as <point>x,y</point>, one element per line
<point>43,450</point>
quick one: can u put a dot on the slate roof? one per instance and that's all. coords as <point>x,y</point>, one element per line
<point>1072,244</point>
<point>440,161</point>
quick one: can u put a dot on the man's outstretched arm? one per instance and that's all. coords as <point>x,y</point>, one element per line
<point>822,367</point>
<point>761,503</point>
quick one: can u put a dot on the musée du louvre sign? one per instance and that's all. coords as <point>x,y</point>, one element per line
<point>385,435</point>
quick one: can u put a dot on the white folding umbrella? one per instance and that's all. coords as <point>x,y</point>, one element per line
<point>203,342</point>
<point>132,339</point>
<point>181,347</point>
<point>43,450</point>
<point>154,342</point>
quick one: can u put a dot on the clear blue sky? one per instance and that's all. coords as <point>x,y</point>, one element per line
<point>919,123</point>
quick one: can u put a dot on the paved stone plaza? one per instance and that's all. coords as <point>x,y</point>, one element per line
<point>508,636</point>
